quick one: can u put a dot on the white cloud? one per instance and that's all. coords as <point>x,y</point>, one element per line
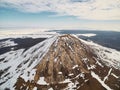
<point>83,9</point>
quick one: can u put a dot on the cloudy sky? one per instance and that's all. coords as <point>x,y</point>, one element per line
<point>64,14</point>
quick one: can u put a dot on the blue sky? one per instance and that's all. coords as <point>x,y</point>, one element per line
<point>65,14</point>
<point>13,18</point>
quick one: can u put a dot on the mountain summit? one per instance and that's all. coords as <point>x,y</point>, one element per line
<point>61,63</point>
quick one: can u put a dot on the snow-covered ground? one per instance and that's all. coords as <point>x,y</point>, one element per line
<point>33,32</point>
<point>7,43</point>
<point>41,81</point>
<point>110,57</point>
<point>15,63</point>
<point>20,62</point>
<point>87,34</point>
<point>102,82</point>
<point>24,33</point>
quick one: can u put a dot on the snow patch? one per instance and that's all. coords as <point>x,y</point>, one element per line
<point>106,77</point>
<point>74,66</point>
<point>50,89</point>
<point>71,74</point>
<point>85,60</point>
<point>7,43</point>
<point>114,75</point>
<point>91,67</point>
<point>55,60</point>
<point>71,48</point>
<point>82,75</point>
<point>99,80</point>
<point>66,81</point>
<point>35,88</point>
<point>41,81</point>
<point>59,72</point>
<point>29,75</point>
<point>87,34</point>
<point>72,86</point>
<point>97,62</point>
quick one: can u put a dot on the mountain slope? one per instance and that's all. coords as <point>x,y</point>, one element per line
<point>61,62</point>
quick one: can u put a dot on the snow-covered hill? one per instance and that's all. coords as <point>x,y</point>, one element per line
<point>61,62</point>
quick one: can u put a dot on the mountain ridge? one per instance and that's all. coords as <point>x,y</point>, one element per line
<point>64,62</point>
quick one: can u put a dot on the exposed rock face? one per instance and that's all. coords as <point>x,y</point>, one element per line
<point>70,64</point>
